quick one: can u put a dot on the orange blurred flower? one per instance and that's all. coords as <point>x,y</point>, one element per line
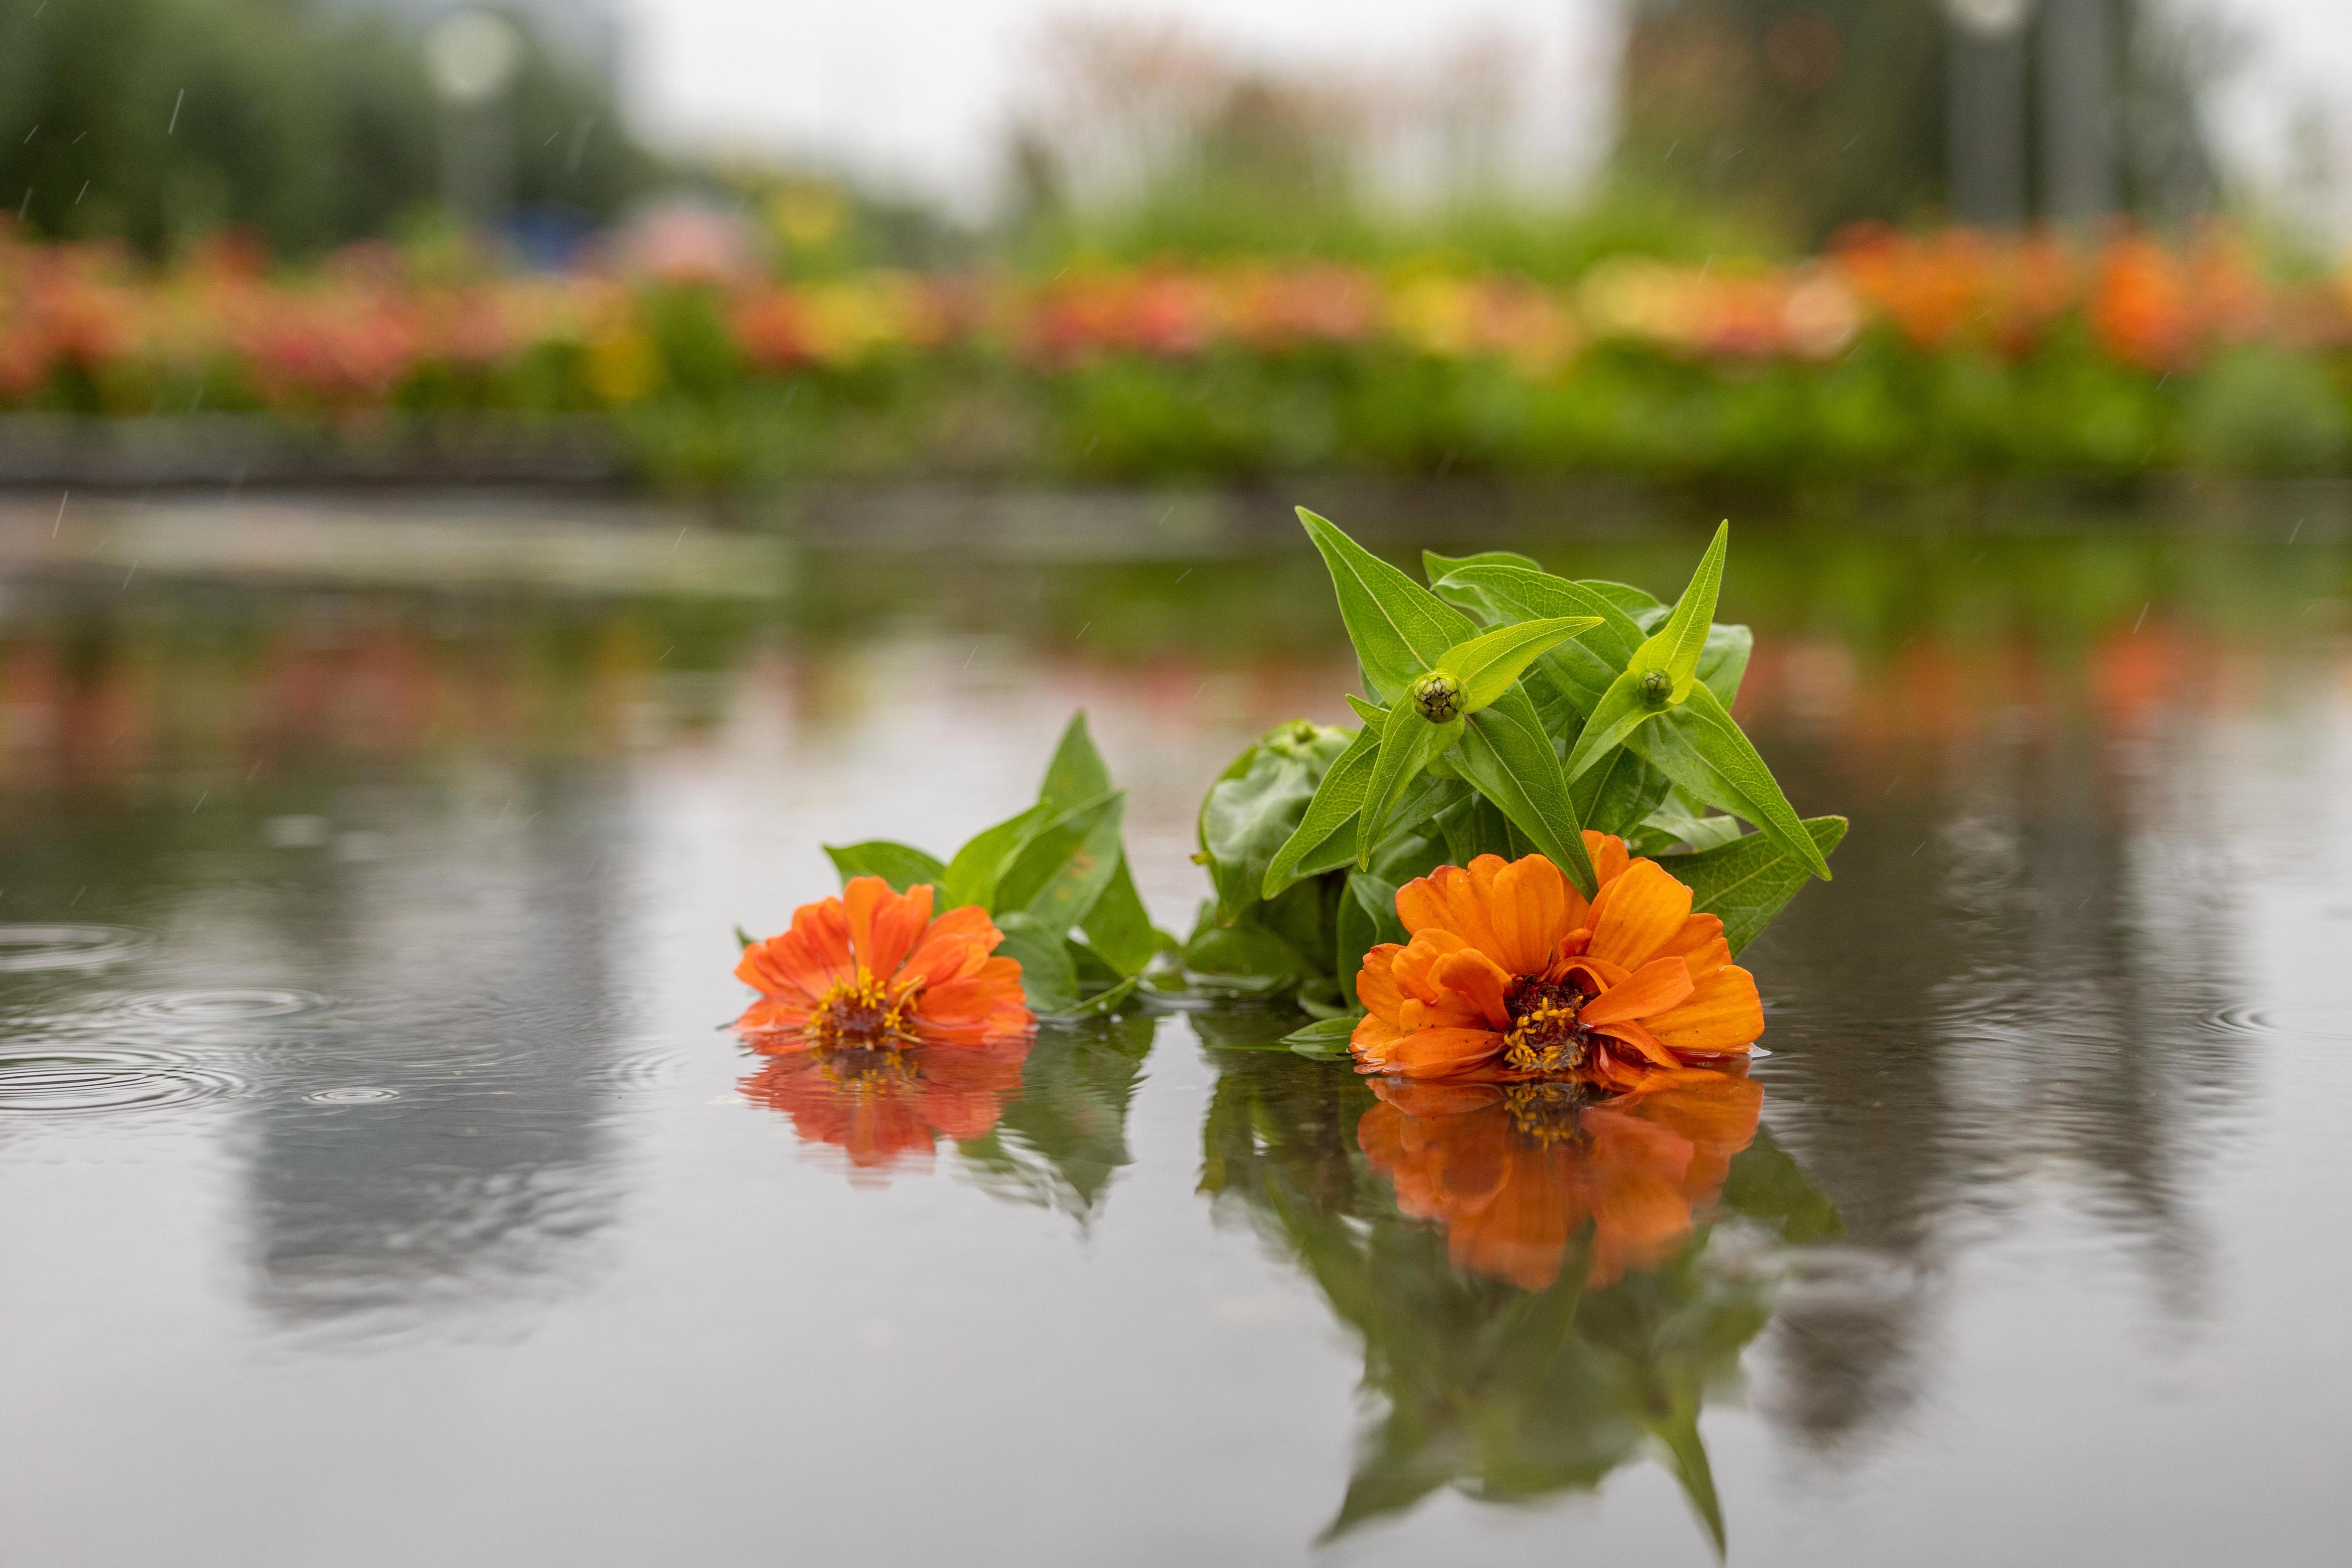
<point>887,1108</point>
<point>1516,1172</point>
<point>873,971</point>
<point>1512,975</point>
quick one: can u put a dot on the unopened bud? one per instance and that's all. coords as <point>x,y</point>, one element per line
<point>1657,686</point>
<point>1438,696</point>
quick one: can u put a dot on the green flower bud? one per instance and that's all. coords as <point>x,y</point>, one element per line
<point>1438,696</point>
<point>1657,686</point>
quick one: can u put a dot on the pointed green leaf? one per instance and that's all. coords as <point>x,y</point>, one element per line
<point>1730,776</point>
<point>978,866</point>
<point>1063,870</point>
<point>1750,880</point>
<point>1077,774</point>
<point>1618,793</point>
<point>1325,1040</point>
<point>1491,664</point>
<point>1118,926</point>
<point>1528,594</point>
<point>1255,807</point>
<point>1335,804</point>
<point>1434,565</point>
<point>1621,710</point>
<point>1408,742</point>
<point>1724,663</point>
<point>1638,602</point>
<point>901,865</point>
<point>1047,980</point>
<point>1399,627</point>
<point>1419,801</point>
<point>1675,647</point>
<point>1507,756</point>
<point>1368,916</point>
<point>1243,959</point>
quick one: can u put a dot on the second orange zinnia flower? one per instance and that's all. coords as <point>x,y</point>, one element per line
<point>1511,973</point>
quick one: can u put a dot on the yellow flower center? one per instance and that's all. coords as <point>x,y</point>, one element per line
<point>861,1013</point>
<point>1544,1037</point>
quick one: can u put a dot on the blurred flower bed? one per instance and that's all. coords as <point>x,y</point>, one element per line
<point>1938,354</point>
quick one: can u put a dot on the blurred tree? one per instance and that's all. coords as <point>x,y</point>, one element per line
<point>154,119</point>
<point>1807,114</point>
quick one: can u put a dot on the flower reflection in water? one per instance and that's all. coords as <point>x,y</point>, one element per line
<point>1534,1272</point>
<point>886,1110</point>
<point>1516,1172</point>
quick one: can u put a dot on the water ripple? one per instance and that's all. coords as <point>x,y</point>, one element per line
<point>235,1006</point>
<point>57,1082</point>
<point>31,947</point>
<point>357,1094</point>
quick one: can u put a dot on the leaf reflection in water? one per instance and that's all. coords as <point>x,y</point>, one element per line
<point>1531,1276</point>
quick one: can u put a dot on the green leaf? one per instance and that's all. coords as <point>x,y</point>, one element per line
<point>1422,800</point>
<point>1325,1040</point>
<point>1102,1003</point>
<point>1619,794</point>
<point>1507,758</point>
<point>980,864</point>
<point>1750,880</point>
<point>1731,777</point>
<point>1244,958</point>
<point>1622,709</point>
<point>1635,602</point>
<point>1525,593</point>
<point>1491,664</point>
<point>1676,646</point>
<point>1725,661</point>
<point>1253,809</point>
<point>1400,628</point>
<point>1064,868</point>
<point>745,938</point>
<point>1336,801</point>
<point>1048,981</point>
<point>1408,743</point>
<point>1681,822</point>
<point>1118,926</point>
<point>1434,565</point>
<point>1077,775</point>
<point>1367,917</point>
<point>901,865</point>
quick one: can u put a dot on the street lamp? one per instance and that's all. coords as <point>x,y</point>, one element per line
<point>1985,125</point>
<point>472,58</point>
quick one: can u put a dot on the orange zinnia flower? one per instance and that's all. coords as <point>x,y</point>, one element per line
<point>1512,975</point>
<point>873,971</point>
<point>1515,1172</point>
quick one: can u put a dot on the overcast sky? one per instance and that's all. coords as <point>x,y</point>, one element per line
<point>919,91</point>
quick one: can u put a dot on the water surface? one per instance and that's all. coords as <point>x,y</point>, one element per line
<point>378,1186</point>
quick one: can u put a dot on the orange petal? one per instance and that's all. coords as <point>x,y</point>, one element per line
<point>1661,984</point>
<point>955,945</point>
<point>1438,1053</point>
<point>1528,903</point>
<point>884,926</point>
<point>1412,967</point>
<point>1608,855</point>
<point>1375,986</point>
<point>1473,976</point>
<point>1646,1044</point>
<point>1637,914</point>
<point>1723,1014</point>
<point>1448,901</point>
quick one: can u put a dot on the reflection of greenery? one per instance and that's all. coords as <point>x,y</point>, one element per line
<point>1506,1395</point>
<point>1059,1144</point>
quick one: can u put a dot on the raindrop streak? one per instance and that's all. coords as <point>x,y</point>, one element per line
<point>30,947</point>
<point>64,1082</point>
<point>61,513</point>
<point>359,1094</point>
<point>174,126</point>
